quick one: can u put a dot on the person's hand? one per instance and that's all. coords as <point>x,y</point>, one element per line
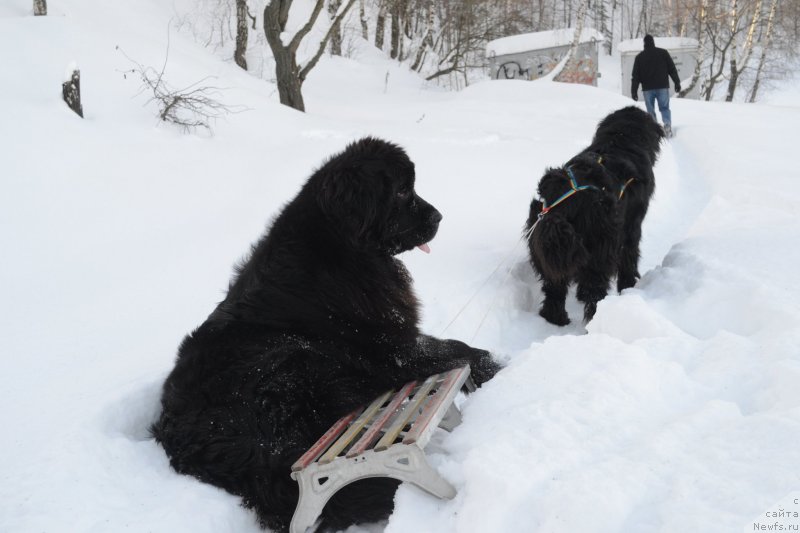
<point>635,97</point>
<point>677,87</point>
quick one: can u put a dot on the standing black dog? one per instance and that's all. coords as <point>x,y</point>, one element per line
<point>319,320</point>
<point>586,225</point>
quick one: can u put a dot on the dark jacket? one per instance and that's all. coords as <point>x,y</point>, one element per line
<point>651,68</point>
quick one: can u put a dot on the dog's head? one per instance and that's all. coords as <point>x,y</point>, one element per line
<point>631,127</point>
<point>367,196</point>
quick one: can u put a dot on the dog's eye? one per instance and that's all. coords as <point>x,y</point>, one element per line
<point>404,193</point>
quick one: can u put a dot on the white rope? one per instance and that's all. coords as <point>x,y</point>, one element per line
<point>512,255</point>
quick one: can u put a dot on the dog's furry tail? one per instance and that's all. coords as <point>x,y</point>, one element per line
<point>556,248</point>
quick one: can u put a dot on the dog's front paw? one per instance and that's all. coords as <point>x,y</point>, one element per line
<point>626,282</point>
<point>559,317</point>
<point>483,367</point>
<point>589,309</point>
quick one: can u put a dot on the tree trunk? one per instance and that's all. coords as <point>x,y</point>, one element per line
<point>276,13</point>
<point>380,27</point>
<point>571,64</point>
<point>427,40</point>
<point>336,35</point>
<point>40,7</point>
<point>642,27</point>
<point>395,49</point>
<point>733,79</point>
<point>363,17</point>
<point>746,52</point>
<point>714,76</point>
<point>764,47</point>
<point>702,20</point>
<point>289,84</point>
<point>71,92</point>
<point>241,34</point>
<point>607,32</point>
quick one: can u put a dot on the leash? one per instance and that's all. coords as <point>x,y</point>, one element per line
<point>574,189</point>
<point>512,255</point>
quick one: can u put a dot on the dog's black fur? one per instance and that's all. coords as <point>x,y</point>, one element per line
<point>594,234</point>
<point>320,319</point>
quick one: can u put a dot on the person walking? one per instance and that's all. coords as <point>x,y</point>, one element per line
<point>652,68</point>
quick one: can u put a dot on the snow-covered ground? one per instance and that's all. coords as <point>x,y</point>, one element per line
<point>676,409</point>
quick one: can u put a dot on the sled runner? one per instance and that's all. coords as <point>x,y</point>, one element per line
<point>384,439</point>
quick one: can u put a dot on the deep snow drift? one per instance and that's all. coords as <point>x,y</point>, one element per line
<point>676,409</point>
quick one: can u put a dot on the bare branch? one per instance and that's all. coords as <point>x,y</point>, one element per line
<point>194,106</point>
<point>313,61</point>
<point>302,32</point>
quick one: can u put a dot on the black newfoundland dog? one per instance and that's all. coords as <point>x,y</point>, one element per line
<point>586,224</point>
<point>320,319</point>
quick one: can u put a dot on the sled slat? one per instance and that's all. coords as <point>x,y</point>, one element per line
<point>354,428</point>
<point>377,426</point>
<point>433,413</point>
<point>406,414</point>
<point>324,441</point>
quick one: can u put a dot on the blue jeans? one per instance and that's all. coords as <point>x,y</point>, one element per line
<point>662,95</point>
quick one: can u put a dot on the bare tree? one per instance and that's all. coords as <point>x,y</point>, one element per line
<point>241,34</point>
<point>766,45</point>
<point>702,17</point>
<point>444,40</point>
<point>427,39</point>
<point>336,28</point>
<point>720,40</point>
<point>570,65</point>
<point>290,76</point>
<point>40,7</point>
<point>362,17</point>
<point>739,62</point>
<point>602,20</point>
<point>380,25</point>
<point>396,48</point>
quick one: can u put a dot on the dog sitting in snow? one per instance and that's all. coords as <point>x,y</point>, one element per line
<point>586,224</point>
<point>319,320</point>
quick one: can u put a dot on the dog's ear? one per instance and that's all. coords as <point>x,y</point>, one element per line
<point>350,195</point>
<point>354,188</point>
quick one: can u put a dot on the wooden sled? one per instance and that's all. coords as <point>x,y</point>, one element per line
<point>384,439</point>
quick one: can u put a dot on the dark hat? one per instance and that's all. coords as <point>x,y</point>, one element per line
<point>648,41</point>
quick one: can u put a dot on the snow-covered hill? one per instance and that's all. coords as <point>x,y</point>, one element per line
<point>676,409</point>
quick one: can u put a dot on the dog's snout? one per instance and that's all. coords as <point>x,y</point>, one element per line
<point>433,215</point>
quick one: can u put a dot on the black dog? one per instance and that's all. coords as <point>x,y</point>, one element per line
<point>587,223</point>
<point>319,320</point>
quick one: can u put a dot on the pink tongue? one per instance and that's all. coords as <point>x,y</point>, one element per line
<point>425,248</point>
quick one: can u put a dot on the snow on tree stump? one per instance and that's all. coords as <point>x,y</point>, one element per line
<point>71,90</point>
<point>383,439</point>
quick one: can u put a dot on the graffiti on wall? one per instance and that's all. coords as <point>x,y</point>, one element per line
<point>511,70</point>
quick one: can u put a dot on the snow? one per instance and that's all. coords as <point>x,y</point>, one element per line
<point>540,40</point>
<point>676,409</point>
<point>668,43</point>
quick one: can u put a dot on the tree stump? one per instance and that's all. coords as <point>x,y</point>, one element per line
<point>71,92</point>
<point>39,7</point>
